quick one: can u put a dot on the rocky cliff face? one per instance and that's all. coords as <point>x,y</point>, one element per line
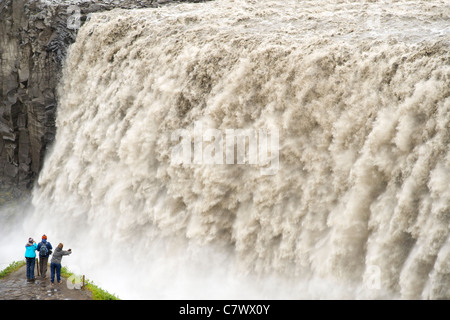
<point>34,37</point>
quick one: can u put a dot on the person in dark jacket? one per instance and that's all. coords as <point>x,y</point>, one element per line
<point>55,264</point>
<point>30,256</point>
<point>45,250</point>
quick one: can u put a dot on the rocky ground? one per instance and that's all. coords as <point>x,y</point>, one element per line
<point>15,287</point>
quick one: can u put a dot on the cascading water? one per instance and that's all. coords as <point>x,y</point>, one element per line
<point>359,205</point>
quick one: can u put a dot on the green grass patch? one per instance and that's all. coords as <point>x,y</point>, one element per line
<point>14,266</point>
<point>97,292</point>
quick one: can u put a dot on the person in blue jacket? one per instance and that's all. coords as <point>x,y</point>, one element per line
<point>30,256</point>
<point>45,250</point>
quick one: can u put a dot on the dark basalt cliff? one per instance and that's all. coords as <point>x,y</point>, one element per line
<point>34,37</point>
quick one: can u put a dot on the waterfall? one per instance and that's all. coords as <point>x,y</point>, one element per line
<point>347,100</point>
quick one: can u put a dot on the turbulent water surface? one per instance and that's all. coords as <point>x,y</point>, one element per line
<point>359,206</point>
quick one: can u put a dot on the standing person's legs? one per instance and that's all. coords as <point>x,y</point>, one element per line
<point>41,265</point>
<point>52,272</point>
<point>31,270</point>
<point>58,272</point>
<point>29,267</point>
<point>43,261</point>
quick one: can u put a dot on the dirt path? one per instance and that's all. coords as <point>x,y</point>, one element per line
<point>15,287</point>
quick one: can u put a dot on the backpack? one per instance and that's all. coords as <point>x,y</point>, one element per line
<point>43,251</point>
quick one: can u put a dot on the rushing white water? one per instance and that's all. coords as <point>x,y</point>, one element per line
<point>360,204</point>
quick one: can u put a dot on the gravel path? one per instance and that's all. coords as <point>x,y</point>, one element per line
<point>15,287</point>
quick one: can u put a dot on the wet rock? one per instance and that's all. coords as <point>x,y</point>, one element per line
<point>15,287</point>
